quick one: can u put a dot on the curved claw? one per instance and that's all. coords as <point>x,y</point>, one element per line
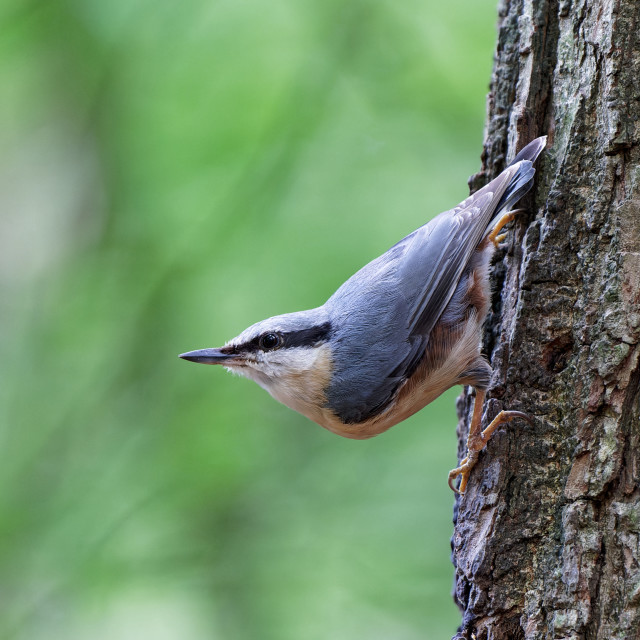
<point>495,236</point>
<point>464,470</point>
<point>452,479</point>
<point>462,488</point>
<point>475,443</point>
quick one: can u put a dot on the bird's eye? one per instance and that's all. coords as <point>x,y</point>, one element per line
<point>270,341</point>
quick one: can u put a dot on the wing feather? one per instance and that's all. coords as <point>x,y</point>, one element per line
<point>384,314</point>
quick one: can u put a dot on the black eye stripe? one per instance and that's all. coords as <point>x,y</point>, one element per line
<point>303,338</point>
<point>307,337</point>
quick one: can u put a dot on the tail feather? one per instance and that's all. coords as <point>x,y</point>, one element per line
<point>523,180</point>
<point>531,151</point>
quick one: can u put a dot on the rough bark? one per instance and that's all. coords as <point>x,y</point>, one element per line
<point>546,541</point>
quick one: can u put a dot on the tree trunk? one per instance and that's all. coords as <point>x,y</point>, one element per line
<point>546,541</point>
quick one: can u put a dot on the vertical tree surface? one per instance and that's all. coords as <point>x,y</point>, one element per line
<point>546,541</point>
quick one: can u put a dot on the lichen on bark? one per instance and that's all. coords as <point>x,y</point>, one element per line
<point>547,539</point>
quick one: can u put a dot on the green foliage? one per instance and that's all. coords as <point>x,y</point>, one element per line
<point>172,172</point>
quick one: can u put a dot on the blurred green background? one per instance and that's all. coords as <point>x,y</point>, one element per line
<point>169,174</point>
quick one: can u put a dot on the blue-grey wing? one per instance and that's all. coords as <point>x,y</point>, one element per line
<point>438,252</point>
<point>383,315</point>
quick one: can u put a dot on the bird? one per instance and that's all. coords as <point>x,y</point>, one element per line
<point>398,333</point>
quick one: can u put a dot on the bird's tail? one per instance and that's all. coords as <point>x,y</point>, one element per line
<point>523,180</point>
<point>531,151</point>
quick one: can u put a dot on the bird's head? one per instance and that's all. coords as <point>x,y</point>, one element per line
<point>288,355</point>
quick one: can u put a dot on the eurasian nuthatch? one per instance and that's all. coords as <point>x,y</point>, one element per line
<point>398,333</point>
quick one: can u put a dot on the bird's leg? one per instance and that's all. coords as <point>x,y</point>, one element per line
<point>477,439</point>
<point>475,431</point>
<point>495,236</point>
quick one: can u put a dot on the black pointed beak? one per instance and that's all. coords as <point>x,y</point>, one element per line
<point>207,356</point>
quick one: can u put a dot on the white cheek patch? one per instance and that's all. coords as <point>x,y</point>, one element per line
<point>285,363</point>
<point>297,376</point>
